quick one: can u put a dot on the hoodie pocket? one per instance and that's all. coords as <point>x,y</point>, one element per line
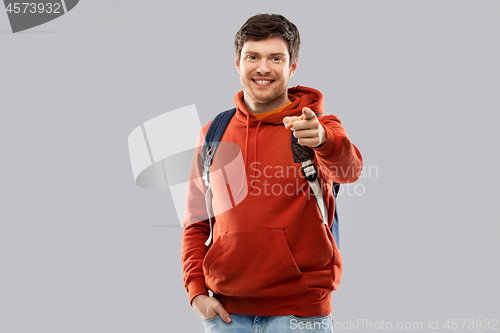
<point>252,263</point>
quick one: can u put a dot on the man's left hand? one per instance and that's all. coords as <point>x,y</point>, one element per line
<point>306,128</point>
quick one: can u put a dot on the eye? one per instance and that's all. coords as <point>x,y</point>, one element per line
<point>277,59</point>
<point>251,57</point>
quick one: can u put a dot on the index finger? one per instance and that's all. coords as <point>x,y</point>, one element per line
<point>304,124</point>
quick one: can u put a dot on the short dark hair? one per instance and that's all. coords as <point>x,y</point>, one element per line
<point>263,26</point>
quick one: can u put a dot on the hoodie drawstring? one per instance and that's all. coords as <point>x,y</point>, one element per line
<point>255,152</point>
<point>246,150</point>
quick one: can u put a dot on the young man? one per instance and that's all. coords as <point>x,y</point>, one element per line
<point>271,262</point>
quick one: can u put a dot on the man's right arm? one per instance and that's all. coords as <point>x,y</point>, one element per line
<point>196,228</point>
<point>196,232</point>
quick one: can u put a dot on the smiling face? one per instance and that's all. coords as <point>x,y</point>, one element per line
<point>264,70</point>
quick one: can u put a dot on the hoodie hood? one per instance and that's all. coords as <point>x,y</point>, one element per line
<point>299,96</point>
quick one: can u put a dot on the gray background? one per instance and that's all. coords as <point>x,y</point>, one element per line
<point>415,83</point>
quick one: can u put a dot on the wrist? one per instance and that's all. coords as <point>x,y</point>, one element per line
<point>197,298</point>
<point>322,136</point>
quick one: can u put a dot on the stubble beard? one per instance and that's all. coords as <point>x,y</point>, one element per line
<point>269,96</point>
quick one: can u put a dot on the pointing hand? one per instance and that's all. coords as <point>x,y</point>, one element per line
<point>306,128</point>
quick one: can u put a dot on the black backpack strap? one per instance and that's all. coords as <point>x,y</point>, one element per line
<point>304,155</point>
<point>211,143</point>
<point>212,139</point>
<point>335,223</point>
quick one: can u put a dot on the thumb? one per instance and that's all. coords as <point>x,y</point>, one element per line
<point>308,113</point>
<point>222,313</point>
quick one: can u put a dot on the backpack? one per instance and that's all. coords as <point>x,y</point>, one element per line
<point>301,154</point>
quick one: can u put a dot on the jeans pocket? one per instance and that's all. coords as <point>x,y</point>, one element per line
<point>319,318</point>
<point>315,324</point>
<point>210,319</point>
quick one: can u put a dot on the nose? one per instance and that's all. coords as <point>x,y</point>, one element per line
<point>263,67</point>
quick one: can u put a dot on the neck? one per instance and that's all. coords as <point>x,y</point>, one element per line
<point>257,107</point>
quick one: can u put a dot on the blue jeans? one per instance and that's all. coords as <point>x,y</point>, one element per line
<point>269,324</point>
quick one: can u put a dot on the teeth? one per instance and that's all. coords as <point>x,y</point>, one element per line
<point>262,81</point>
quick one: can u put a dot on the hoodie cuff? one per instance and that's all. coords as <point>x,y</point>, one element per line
<point>330,145</point>
<point>196,287</point>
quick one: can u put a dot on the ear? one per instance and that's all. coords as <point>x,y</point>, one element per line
<point>294,66</point>
<point>237,63</point>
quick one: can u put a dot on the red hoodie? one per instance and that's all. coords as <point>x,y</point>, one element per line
<point>271,255</point>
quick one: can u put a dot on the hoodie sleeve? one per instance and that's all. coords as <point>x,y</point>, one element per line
<point>196,228</point>
<point>337,158</point>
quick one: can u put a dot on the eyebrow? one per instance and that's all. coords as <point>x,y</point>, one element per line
<point>272,54</point>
